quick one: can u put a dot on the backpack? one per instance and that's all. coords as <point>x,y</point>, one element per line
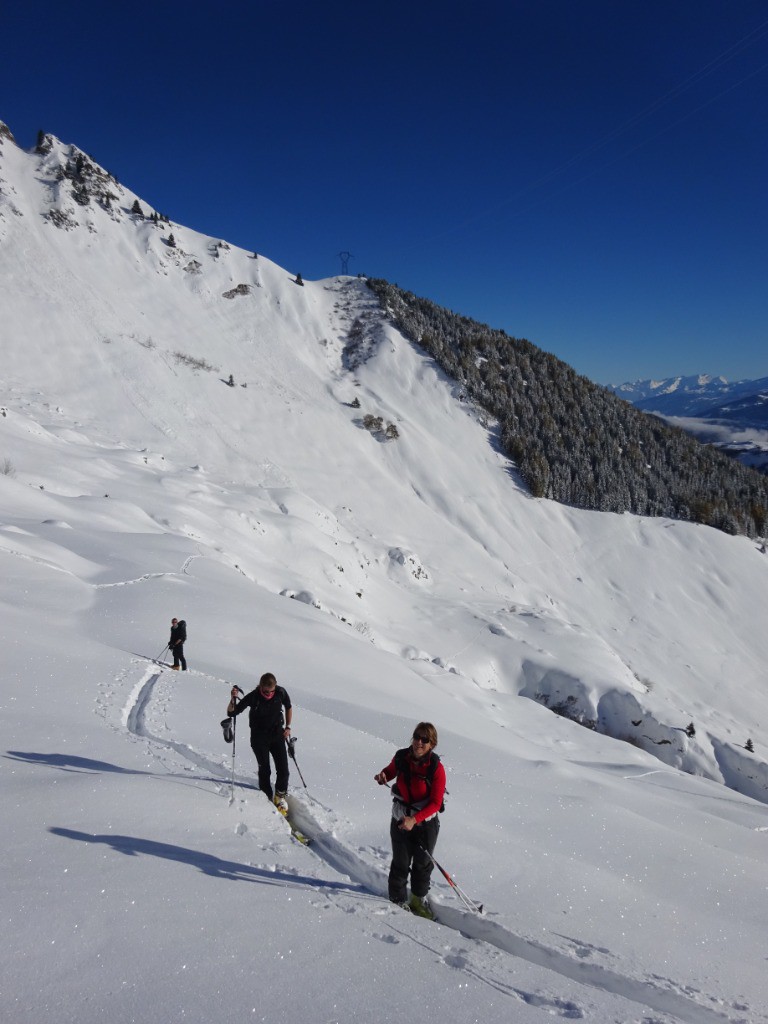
<point>258,702</point>
<point>182,628</point>
<point>404,769</point>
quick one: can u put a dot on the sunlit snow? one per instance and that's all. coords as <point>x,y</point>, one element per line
<point>384,581</point>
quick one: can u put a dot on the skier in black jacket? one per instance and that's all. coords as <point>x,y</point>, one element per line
<point>269,733</point>
<point>176,644</point>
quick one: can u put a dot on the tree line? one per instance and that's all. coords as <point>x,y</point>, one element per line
<point>574,441</point>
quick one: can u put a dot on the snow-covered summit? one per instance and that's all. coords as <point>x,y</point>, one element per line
<point>696,395</point>
<point>187,429</point>
<point>696,385</point>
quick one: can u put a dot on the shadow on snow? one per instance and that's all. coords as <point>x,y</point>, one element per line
<point>208,864</point>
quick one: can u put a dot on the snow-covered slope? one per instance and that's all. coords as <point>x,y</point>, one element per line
<point>427,585</point>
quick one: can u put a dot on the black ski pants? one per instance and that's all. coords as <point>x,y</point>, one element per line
<point>262,745</point>
<point>409,856</point>
<point>178,656</point>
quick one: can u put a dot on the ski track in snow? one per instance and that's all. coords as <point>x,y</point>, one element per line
<point>48,564</point>
<point>659,995</point>
<point>184,570</point>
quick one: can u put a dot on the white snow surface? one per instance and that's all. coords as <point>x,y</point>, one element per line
<point>621,881</point>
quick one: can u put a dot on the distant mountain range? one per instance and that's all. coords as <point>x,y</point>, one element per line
<point>733,415</point>
<point>703,396</point>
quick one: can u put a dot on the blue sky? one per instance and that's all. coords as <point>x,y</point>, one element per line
<point>590,175</point>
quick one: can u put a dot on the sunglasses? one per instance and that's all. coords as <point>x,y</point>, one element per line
<point>418,738</point>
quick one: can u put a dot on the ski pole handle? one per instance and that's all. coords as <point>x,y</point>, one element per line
<point>290,744</point>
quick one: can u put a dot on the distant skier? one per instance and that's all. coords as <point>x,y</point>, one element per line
<point>269,734</point>
<point>176,644</point>
<point>418,793</point>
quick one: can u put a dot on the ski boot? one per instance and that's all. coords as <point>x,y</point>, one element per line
<point>280,803</point>
<point>419,906</point>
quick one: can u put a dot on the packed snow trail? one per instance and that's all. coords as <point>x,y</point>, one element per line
<point>368,882</point>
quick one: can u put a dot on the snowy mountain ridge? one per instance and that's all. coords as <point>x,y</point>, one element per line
<point>695,395</point>
<point>697,383</point>
<point>189,430</point>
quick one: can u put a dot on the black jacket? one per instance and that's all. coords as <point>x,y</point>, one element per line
<point>178,634</point>
<point>265,716</point>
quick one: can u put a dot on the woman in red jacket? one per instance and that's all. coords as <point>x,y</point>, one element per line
<point>418,793</point>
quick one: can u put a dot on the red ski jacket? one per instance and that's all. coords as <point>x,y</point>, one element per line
<point>412,788</point>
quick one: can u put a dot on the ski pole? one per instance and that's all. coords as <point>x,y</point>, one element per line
<point>292,754</point>
<point>468,903</point>
<point>161,653</point>
<point>234,742</point>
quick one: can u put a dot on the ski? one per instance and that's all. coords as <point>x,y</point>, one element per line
<point>297,834</point>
